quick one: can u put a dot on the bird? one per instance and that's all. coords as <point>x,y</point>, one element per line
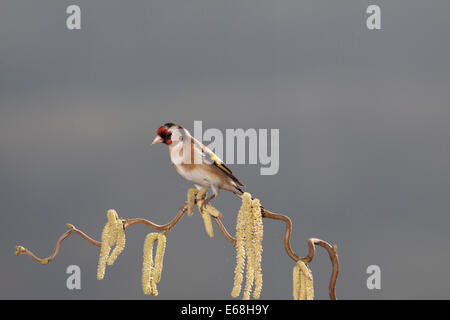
<point>196,163</point>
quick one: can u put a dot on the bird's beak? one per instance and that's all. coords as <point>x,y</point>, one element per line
<point>158,139</point>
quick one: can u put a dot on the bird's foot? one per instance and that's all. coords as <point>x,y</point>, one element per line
<point>204,204</point>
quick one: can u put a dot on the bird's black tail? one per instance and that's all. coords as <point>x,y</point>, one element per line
<point>239,192</point>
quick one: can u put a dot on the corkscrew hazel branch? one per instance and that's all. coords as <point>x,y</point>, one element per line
<point>312,242</point>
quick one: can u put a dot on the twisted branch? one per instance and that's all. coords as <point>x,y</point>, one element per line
<point>72,229</point>
<point>332,251</point>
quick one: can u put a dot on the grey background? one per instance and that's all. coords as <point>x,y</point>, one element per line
<point>364,151</point>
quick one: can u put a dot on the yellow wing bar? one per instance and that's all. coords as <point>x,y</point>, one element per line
<point>219,163</point>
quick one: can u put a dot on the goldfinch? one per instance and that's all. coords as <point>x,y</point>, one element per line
<point>195,162</point>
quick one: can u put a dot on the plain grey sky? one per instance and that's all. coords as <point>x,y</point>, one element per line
<point>364,139</point>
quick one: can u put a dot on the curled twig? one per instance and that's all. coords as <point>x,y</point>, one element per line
<point>332,250</point>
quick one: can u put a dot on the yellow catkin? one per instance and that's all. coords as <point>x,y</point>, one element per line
<point>250,251</point>
<point>249,233</point>
<point>104,252</point>
<point>240,244</point>
<point>205,212</point>
<point>296,282</point>
<point>148,270</point>
<point>304,268</point>
<point>309,289</point>
<point>113,220</point>
<point>208,224</point>
<point>120,242</point>
<point>159,257</point>
<point>213,211</point>
<point>258,236</point>
<point>249,279</point>
<point>238,272</point>
<point>191,200</point>
<point>109,237</point>
<point>303,288</point>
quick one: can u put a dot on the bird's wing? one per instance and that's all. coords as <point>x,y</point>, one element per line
<point>211,158</point>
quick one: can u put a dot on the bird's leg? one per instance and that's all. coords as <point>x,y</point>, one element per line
<point>206,201</point>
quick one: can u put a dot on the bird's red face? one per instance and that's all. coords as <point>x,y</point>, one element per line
<point>163,135</point>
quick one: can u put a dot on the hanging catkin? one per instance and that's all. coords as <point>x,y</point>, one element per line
<point>249,235</point>
<point>151,270</point>
<point>303,288</point>
<point>113,233</point>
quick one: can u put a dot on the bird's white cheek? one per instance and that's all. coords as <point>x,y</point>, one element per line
<point>176,153</point>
